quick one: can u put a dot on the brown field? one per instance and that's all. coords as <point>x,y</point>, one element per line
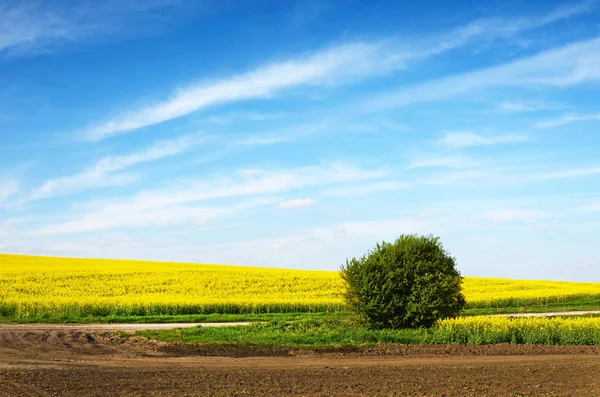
<point>36,362</point>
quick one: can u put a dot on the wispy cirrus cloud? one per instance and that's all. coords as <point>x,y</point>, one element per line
<point>330,66</point>
<point>593,207</point>
<point>507,175</point>
<point>103,172</point>
<point>8,188</point>
<point>350,238</point>
<point>568,119</point>
<point>440,161</point>
<point>446,218</point>
<point>231,117</point>
<point>566,66</point>
<point>348,62</point>
<point>156,207</point>
<point>469,139</point>
<point>285,134</point>
<point>364,189</point>
<point>297,203</point>
<point>253,183</point>
<point>490,29</point>
<point>563,174</point>
<point>29,27</point>
<point>520,106</point>
<point>107,219</point>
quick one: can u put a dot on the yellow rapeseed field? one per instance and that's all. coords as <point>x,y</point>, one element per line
<point>498,292</point>
<point>534,330</point>
<point>46,286</point>
<point>54,287</point>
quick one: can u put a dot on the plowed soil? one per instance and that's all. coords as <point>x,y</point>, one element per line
<point>88,363</point>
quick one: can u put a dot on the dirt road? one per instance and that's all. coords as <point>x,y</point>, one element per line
<point>552,314</point>
<point>68,362</point>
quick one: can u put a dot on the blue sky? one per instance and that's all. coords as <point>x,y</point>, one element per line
<point>297,134</point>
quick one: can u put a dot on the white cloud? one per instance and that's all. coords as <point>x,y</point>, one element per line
<point>28,27</point>
<point>349,61</point>
<point>466,177</point>
<point>101,173</point>
<point>505,176</point>
<point>8,188</point>
<point>519,106</point>
<point>111,218</point>
<point>229,118</point>
<point>335,242</point>
<point>564,174</point>
<point>593,207</point>
<point>468,139</point>
<point>363,189</point>
<point>297,203</point>
<point>267,182</point>
<point>286,134</point>
<point>490,29</point>
<point>563,12</point>
<point>165,204</point>
<point>331,123</point>
<point>441,161</point>
<point>566,66</point>
<point>567,119</point>
<point>332,244</point>
<point>344,62</point>
<point>250,172</point>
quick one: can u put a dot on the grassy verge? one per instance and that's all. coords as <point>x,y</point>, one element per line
<point>346,332</point>
<point>191,318</point>
<point>204,318</point>
<point>304,332</point>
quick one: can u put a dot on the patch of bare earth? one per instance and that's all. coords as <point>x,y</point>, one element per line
<point>86,363</point>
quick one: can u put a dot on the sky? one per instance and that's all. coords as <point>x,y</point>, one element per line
<point>298,134</point>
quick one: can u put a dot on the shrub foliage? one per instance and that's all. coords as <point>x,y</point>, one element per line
<point>408,284</point>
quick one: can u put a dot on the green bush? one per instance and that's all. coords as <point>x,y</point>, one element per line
<point>408,284</point>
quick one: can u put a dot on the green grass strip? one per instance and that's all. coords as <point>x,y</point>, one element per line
<point>347,331</point>
<point>163,319</point>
